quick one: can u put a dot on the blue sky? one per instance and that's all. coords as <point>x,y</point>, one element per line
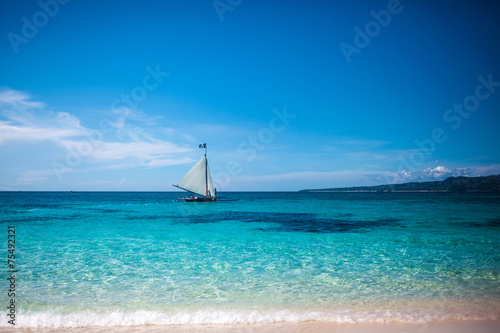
<point>117,95</point>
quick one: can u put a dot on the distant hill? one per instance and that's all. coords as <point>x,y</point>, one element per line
<point>452,185</point>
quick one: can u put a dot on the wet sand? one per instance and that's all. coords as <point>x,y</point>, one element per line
<point>459,326</point>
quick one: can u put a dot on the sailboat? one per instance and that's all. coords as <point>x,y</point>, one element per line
<point>199,182</point>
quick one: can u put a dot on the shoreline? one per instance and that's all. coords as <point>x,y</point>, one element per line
<point>453,326</point>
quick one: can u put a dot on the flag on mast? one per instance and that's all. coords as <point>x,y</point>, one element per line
<point>203,145</point>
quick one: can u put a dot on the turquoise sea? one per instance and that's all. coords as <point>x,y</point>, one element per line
<point>126,259</point>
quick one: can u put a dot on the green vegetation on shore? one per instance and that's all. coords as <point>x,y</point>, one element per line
<point>452,185</point>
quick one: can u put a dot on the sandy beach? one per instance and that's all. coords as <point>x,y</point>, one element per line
<point>467,326</point>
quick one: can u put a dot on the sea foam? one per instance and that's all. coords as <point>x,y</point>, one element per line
<point>49,319</point>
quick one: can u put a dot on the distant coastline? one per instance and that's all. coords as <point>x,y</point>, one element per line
<point>487,184</point>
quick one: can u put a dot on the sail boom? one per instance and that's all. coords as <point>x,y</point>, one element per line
<point>185,189</point>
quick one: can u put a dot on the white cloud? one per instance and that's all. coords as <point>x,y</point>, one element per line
<point>27,179</point>
<point>113,151</point>
<point>168,161</point>
<point>136,115</point>
<point>169,131</point>
<point>30,121</point>
<point>292,181</point>
<point>128,146</point>
<point>311,175</point>
<point>113,184</point>
<point>129,122</point>
<point>33,176</point>
<point>438,172</point>
<point>442,172</point>
<point>493,169</point>
<point>429,174</point>
<point>343,178</point>
<point>17,98</point>
<point>10,132</point>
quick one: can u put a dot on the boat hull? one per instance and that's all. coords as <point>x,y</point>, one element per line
<point>198,199</point>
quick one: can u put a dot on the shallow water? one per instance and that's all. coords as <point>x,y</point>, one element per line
<point>126,259</point>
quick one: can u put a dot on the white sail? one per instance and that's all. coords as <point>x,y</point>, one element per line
<point>210,185</point>
<point>195,180</point>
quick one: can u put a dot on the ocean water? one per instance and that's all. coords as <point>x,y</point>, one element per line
<point>126,259</point>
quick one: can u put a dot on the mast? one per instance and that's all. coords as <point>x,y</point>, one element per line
<point>206,173</point>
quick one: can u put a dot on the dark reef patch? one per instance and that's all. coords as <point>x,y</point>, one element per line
<point>295,222</point>
<point>489,223</point>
